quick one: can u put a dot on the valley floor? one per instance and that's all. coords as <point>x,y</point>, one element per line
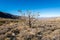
<point>48,29</point>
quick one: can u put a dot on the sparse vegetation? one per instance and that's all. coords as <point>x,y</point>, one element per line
<point>47,29</point>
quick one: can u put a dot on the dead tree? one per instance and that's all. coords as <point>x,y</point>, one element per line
<point>30,17</point>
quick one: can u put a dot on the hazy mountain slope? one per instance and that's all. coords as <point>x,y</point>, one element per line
<point>7,15</point>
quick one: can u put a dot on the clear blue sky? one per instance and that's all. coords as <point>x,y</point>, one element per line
<point>47,8</point>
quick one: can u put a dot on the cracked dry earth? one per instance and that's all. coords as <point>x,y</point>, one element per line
<point>48,29</point>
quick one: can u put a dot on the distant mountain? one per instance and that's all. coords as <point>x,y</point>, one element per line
<point>7,15</point>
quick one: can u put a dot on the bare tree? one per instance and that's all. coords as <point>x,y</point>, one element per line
<point>30,17</point>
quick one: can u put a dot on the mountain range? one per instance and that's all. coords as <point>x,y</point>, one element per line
<point>8,15</point>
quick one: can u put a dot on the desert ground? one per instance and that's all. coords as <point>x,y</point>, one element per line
<point>44,29</point>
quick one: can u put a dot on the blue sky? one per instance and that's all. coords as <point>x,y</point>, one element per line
<point>47,8</point>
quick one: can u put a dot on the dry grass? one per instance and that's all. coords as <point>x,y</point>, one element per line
<point>46,29</point>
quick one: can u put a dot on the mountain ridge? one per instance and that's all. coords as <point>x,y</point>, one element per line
<point>8,15</point>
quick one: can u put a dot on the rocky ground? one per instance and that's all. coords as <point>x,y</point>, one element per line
<point>46,29</point>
